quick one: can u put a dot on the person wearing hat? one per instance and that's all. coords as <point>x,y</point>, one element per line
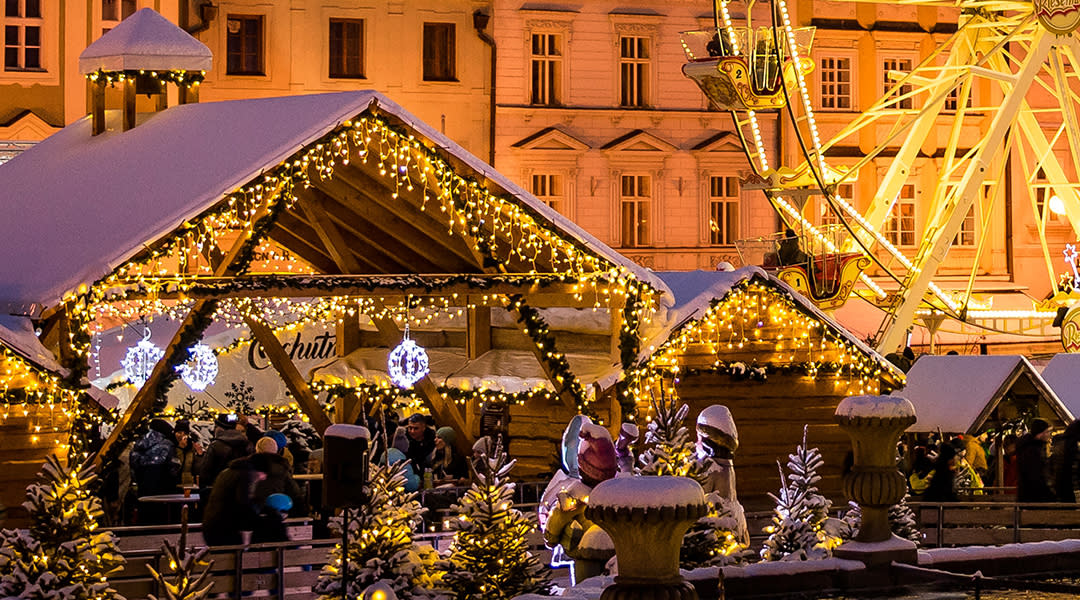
<point>448,466</point>
<point>270,524</point>
<point>277,477</point>
<point>229,444</point>
<point>1031,485</point>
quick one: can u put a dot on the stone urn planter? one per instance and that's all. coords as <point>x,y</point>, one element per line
<point>875,424</point>
<point>646,518</point>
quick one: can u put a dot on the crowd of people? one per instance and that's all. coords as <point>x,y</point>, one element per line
<point>244,475</point>
<point>1037,465</point>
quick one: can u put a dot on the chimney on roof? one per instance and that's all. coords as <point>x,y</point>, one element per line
<point>143,54</point>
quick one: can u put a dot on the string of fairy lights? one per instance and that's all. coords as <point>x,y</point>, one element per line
<point>757,319</point>
<point>161,280</point>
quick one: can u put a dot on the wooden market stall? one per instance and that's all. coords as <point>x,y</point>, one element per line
<point>339,208</point>
<point>747,340</point>
<point>970,394</point>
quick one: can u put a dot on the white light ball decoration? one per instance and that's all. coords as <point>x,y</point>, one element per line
<point>201,369</point>
<point>407,364</point>
<point>140,359</point>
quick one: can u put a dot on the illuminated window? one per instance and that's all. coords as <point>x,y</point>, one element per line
<point>22,35</point>
<point>723,210</point>
<point>546,63</point>
<point>244,47</point>
<point>903,67</point>
<point>549,188</point>
<point>900,227</point>
<point>634,71</point>
<point>347,48</point>
<point>439,52</point>
<point>635,199</point>
<point>835,83</point>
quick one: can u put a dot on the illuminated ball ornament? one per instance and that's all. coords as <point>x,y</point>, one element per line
<point>139,360</point>
<point>408,363</point>
<point>201,368</point>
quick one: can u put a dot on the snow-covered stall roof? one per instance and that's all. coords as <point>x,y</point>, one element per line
<point>86,204</point>
<point>146,41</point>
<point>1062,374</point>
<point>695,292</point>
<point>956,394</point>
<point>17,333</point>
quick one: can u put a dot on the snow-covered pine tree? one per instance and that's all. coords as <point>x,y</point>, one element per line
<point>381,546</point>
<point>489,557</point>
<point>63,555</point>
<point>669,446</point>
<point>798,531</point>
<point>670,449</point>
<point>183,583</point>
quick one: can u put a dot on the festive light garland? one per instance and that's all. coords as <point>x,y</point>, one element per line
<point>182,78</point>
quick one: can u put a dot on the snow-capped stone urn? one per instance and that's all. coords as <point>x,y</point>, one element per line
<point>646,518</point>
<point>875,424</point>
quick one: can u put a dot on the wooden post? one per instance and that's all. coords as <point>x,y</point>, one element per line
<point>97,107</point>
<point>162,97</point>
<point>615,308</point>
<point>348,331</point>
<point>298,387</point>
<point>129,103</point>
<point>478,330</point>
<point>188,94</point>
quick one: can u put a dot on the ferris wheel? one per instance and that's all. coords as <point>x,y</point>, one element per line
<point>1022,58</point>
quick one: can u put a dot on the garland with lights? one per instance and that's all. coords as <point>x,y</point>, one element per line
<point>180,77</point>
<point>554,361</point>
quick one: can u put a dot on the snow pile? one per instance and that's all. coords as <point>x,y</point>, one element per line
<point>647,492</point>
<point>978,553</point>
<point>882,407</point>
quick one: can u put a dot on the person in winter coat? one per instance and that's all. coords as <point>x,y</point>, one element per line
<point>421,443</point>
<point>270,524</point>
<point>278,478</point>
<point>153,462</point>
<point>189,453</point>
<point>1063,460</point>
<point>1031,483</point>
<point>230,509</point>
<point>941,487</point>
<point>229,444</point>
<point>447,464</point>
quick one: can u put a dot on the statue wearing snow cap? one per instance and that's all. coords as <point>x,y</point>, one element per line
<point>589,457</point>
<point>717,440</point>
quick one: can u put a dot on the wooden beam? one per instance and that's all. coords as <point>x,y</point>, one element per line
<point>478,331</point>
<point>562,389</point>
<point>188,94</point>
<point>298,387</point>
<point>417,233</point>
<point>380,260</point>
<point>97,106</point>
<point>354,411</point>
<point>554,293</point>
<point>292,242</point>
<point>330,236</point>
<point>376,191</point>
<point>348,332</point>
<point>615,309</point>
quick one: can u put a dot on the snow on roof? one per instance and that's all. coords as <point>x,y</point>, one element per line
<point>146,41</point>
<point>17,333</point>
<point>1062,374</point>
<point>695,291</point>
<point>954,394</point>
<point>86,204</point>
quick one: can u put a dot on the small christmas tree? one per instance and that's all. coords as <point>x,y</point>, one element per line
<point>798,529</point>
<point>183,583</point>
<point>489,557</point>
<point>669,445</point>
<point>671,450</point>
<point>381,546</point>
<point>62,555</point>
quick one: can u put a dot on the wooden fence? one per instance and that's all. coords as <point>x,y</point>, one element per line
<point>995,523</point>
